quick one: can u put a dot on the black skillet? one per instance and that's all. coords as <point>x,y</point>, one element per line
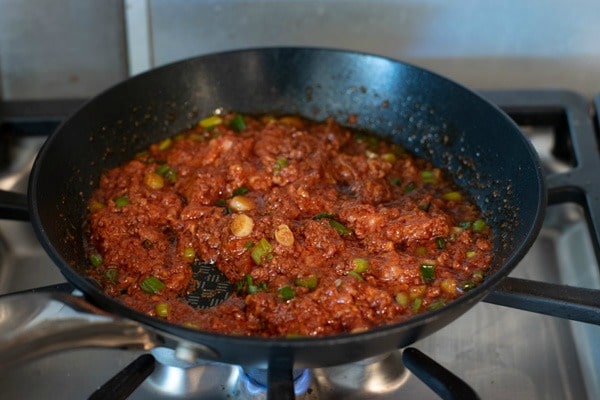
<point>428,114</point>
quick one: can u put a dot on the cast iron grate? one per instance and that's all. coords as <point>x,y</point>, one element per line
<point>573,121</point>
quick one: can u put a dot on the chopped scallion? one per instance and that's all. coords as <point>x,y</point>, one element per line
<point>360,265</point>
<point>440,243</point>
<point>237,123</point>
<point>410,186</point>
<point>152,285</point>
<point>335,224</point>
<point>211,121</point>
<point>416,306</point>
<point>479,225</point>
<point>402,299</point>
<point>167,172</point>
<point>280,164</point>
<point>309,282</point>
<point>240,191</point>
<point>466,286</point>
<point>262,251</point>
<point>162,310</point>
<point>121,201</point>
<point>434,306</point>
<point>96,259</point>
<point>341,228</point>
<point>428,177</point>
<point>465,225</point>
<point>452,196</point>
<point>356,275</point>
<point>251,287</point>
<point>286,293</point>
<point>189,254</point>
<point>165,144</point>
<point>323,215</point>
<point>111,274</point>
<point>427,272</point>
<point>477,276</point>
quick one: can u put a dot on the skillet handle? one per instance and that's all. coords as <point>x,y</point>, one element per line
<point>38,324</point>
<point>14,206</point>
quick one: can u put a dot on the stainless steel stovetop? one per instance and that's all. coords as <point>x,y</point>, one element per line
<point>500,352</point>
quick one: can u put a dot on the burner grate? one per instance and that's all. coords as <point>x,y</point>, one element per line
<point>572,121</point>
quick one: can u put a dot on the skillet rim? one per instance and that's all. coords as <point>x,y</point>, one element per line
<point>466,301</point>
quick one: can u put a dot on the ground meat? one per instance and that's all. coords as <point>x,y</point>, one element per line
<point>321,229</point>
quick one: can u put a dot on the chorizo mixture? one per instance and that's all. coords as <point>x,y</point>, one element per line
<point>321,229</point>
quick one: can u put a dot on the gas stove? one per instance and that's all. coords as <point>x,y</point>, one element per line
<point>499,349</point>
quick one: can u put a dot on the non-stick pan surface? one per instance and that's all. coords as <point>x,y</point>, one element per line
<point>428,114</point>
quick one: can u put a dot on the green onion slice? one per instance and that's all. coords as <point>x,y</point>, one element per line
<point>237,123</point>
<point>96,259</point>
<point>286,293</point>
<point>189,254</point>
<point>323,215</point>
<point>165,144</point>
<point>167,172</point>
<point>262,251</point>
<point>210,122</point>
<point>452,196</point>
<point>465,225</point>
<point>402,299</point>
<point>410,186</point>
<point>360,265</point>
<point>341,228</point>
<point>440,243</point>
<point>416,306</point>
<point>428,177</point>
<point>479,225</point>
<point>466,286</point>
<point>163,309</point>
<point>121,201</point>
<point>280,163</point>
<point>335,224</point>
<point>434,306</point>
<point>240,191</point>
<point>356,275</point>
<point>111,274</point>
<point>152,285</point>
<point>309,282</point>
<point>427,272</point>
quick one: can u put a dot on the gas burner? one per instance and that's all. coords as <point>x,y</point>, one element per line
<point>377,376</point>
<point>173,377</point>
<point>255,382</point>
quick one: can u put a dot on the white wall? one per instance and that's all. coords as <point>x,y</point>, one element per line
<point>60,48</point>
<point>482,44</point>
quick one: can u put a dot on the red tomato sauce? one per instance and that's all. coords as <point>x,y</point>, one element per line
<point>321,229</point>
